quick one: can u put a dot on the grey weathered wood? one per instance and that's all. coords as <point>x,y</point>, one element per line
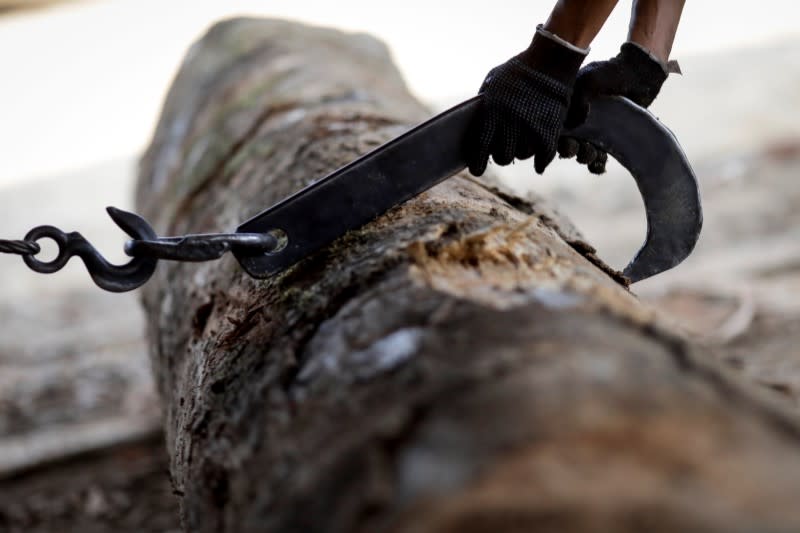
<point>74,373</point>
<point>457,365</point>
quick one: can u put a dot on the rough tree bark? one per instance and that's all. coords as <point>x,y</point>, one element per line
<point>457,365</point>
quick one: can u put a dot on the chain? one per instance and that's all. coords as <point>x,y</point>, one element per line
<point>19,247</point>
<point>145,250</point>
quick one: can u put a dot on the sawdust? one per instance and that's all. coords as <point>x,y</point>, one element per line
<point>495,266</point>
<point>535,204</point>
<point>508,264</point>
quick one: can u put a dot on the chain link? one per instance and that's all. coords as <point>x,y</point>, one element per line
<point>19,247</point>
<point>145,249</point>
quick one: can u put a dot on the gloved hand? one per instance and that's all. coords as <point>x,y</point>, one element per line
<point>525,102</point>
<point>634,73</point>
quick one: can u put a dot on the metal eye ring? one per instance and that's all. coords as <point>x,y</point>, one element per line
<point>62,241</point>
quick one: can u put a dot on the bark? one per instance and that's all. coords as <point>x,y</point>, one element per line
<point>460,364</point>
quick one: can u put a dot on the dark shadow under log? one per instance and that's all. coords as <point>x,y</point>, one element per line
<point>456,365</point>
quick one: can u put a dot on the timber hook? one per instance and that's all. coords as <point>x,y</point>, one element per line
<point>114,278</point>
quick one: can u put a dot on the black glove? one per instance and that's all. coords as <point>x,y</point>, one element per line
<point>525,102</point>
<point>634,73</point>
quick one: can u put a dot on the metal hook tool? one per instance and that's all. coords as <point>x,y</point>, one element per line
<point>435,150</point>
<point>355,194</point>
<point>146,248</point>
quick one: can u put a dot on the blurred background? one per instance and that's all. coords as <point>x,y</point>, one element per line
<point>83,81</point>
<point>81,86</point>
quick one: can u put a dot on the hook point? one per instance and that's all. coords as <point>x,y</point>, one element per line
<point>131,223</point>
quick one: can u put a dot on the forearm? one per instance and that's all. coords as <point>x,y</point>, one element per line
<point>579,21</point>
<point>654,24</point>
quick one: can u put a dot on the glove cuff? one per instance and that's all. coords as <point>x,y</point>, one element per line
<point>670,67</point>
<point>648,68</point>
<point>553,56</point>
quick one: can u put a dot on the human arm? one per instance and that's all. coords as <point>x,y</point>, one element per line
<point>654,24</point>
<point>579,21</point>
<point>637,72</point>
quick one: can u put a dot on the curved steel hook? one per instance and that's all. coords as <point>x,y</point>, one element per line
<point>114,278</point>
<point>394,172</point>
<point>666,181</point>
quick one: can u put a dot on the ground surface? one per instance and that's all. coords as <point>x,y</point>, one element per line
<point>124,488</point>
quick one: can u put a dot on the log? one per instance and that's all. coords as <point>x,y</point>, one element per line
<point>462,363</point>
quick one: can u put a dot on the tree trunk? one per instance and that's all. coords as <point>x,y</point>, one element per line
<point>460,364</point>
